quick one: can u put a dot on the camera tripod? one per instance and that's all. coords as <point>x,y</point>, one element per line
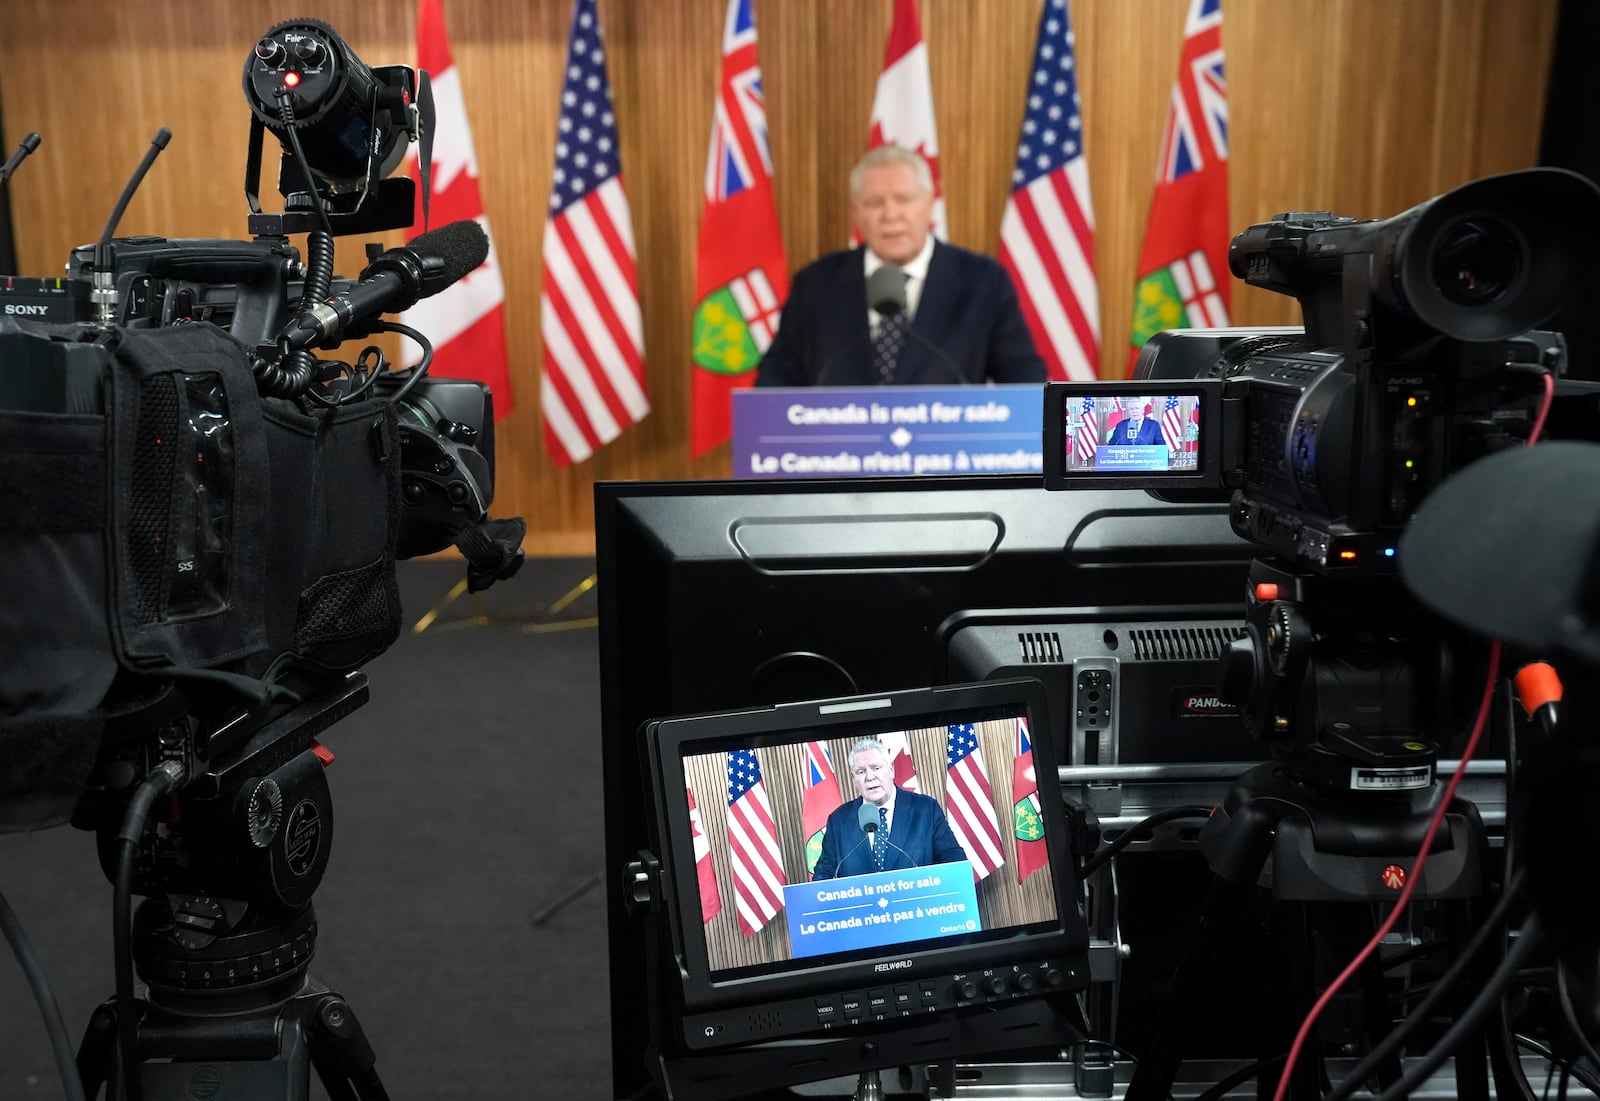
<point>232,1033</point>
<point>1323,851</point>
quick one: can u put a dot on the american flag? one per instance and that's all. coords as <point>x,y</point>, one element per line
<point>1172,424</point>
<point>758,878</point>
<point>710,895</point>
<point>1047,231</point>
<point>1088,440</point>
<point>593,385</point>
<point>969,801</point>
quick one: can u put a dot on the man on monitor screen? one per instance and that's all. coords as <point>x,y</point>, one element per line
<point>1135,428</point>
<point>909,830</point>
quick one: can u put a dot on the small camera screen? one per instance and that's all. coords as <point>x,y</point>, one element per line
<point>1131,433</point>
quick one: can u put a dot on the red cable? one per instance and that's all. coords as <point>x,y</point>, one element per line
<point>1411,880</point>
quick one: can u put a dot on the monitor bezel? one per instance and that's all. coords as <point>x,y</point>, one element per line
<point>669,741</point>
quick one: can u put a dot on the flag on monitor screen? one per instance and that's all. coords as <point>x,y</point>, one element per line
<point>1183,267</point>
<point>1027,825</point>
<point>710,896</point>
<point>1047,231</point>
<point>969,801</point>
<point>1172,424</point>
<point>758,878</point>
<point>741,274</point>
<point>466,321</point>
<point>905,767</point>
<point>593,385</point>
<point>902,107</point>
<point>819,799</point>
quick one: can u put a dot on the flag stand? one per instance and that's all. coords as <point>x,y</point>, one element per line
<point>480,616</point>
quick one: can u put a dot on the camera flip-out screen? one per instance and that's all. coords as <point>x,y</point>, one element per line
<point>1132,435</point>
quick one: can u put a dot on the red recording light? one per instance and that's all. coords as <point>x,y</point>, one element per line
<point>291,79</point>
<point>1348,555</point>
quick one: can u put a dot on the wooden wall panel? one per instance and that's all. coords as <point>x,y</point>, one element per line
<point>1363,107</point>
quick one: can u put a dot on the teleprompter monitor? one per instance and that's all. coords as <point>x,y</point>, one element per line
<point>860,865</point>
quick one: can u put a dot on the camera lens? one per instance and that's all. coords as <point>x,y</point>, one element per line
<point>1477,260</point>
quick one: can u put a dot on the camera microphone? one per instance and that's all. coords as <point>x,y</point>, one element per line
<point>29,144</point>
<point>391,283</point>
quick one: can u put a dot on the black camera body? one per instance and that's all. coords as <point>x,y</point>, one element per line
<point>1418,354</point>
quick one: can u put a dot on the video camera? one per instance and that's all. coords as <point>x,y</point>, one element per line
<point>203,522</point>
<point>1417,356</point>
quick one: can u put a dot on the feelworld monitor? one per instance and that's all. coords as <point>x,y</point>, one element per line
<point>796,908</point>
<point>1136,435</point>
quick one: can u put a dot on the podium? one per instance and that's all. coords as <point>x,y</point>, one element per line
<point>873,431</point>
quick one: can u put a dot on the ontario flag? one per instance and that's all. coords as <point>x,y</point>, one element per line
<point>905,768</point>
<point>710,896</point>
<point>1026,824</point>
<point>1183,267</point>
<point>466,321</point>
<point>820,799</point>
<point>741,275</point>
<point>902,108</point>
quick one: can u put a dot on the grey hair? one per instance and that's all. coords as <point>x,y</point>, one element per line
<point>885,155</point>
<point>861,745</point>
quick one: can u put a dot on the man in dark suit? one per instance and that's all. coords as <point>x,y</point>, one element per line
<point>912,831</point>
<point>955,317</point>
<point>1135,427</point>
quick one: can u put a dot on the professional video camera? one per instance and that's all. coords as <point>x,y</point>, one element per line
<point>1418,356</point>
<point>203,523</point>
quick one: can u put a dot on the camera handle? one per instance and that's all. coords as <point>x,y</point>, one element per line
<point>1324,848</point>
<point>262,1055</point>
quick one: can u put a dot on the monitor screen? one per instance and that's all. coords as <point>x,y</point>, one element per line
<point>855,863</point>
<point>1143,434</point>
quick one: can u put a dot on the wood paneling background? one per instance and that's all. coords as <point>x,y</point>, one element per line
<point>1363,107</point>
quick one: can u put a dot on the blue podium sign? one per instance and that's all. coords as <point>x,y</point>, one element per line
<point>881,908</point>
<point>870,431</point>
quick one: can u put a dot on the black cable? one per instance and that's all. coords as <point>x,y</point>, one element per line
<point>162,779</point>
<point>49,1009</point>
<point>421,369</point>
<point>1564,997</point>
<point>1424,1010</point>
<point>1529,938</point>
<point>1586,1077</point>
<point>1137,832</point>
<point>1249,1070</point>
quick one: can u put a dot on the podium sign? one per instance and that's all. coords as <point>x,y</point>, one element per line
<point>870,431</point>
<point>881,908</point>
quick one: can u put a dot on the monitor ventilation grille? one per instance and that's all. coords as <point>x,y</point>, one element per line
<point>1040,647</point>
<point>765,1021</point>
<point>1182,643</point>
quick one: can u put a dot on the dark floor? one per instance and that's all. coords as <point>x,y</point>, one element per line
<point>467,799</point>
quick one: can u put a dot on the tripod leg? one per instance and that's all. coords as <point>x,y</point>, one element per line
<point>94,1053</point>
<point>1224,905</point>
<point>344,1060</point>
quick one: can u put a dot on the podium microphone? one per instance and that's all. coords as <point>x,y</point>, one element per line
<point>886,296</point>
<point>867,816</point>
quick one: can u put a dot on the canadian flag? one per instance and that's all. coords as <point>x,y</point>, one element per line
<point>905,769</point>
<point>710,896</point>
<point>465,322</point>
<point>902,109</point>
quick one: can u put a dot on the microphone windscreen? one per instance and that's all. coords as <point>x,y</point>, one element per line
<point>886,290</point>
<point>867,816</point>
<point>461,245</point>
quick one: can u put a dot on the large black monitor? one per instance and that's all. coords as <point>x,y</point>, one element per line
<point>719,595</point>
<point>851,870</point>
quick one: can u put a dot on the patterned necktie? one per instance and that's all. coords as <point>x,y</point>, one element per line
<point>886,345</point>
<point>880,838</point>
